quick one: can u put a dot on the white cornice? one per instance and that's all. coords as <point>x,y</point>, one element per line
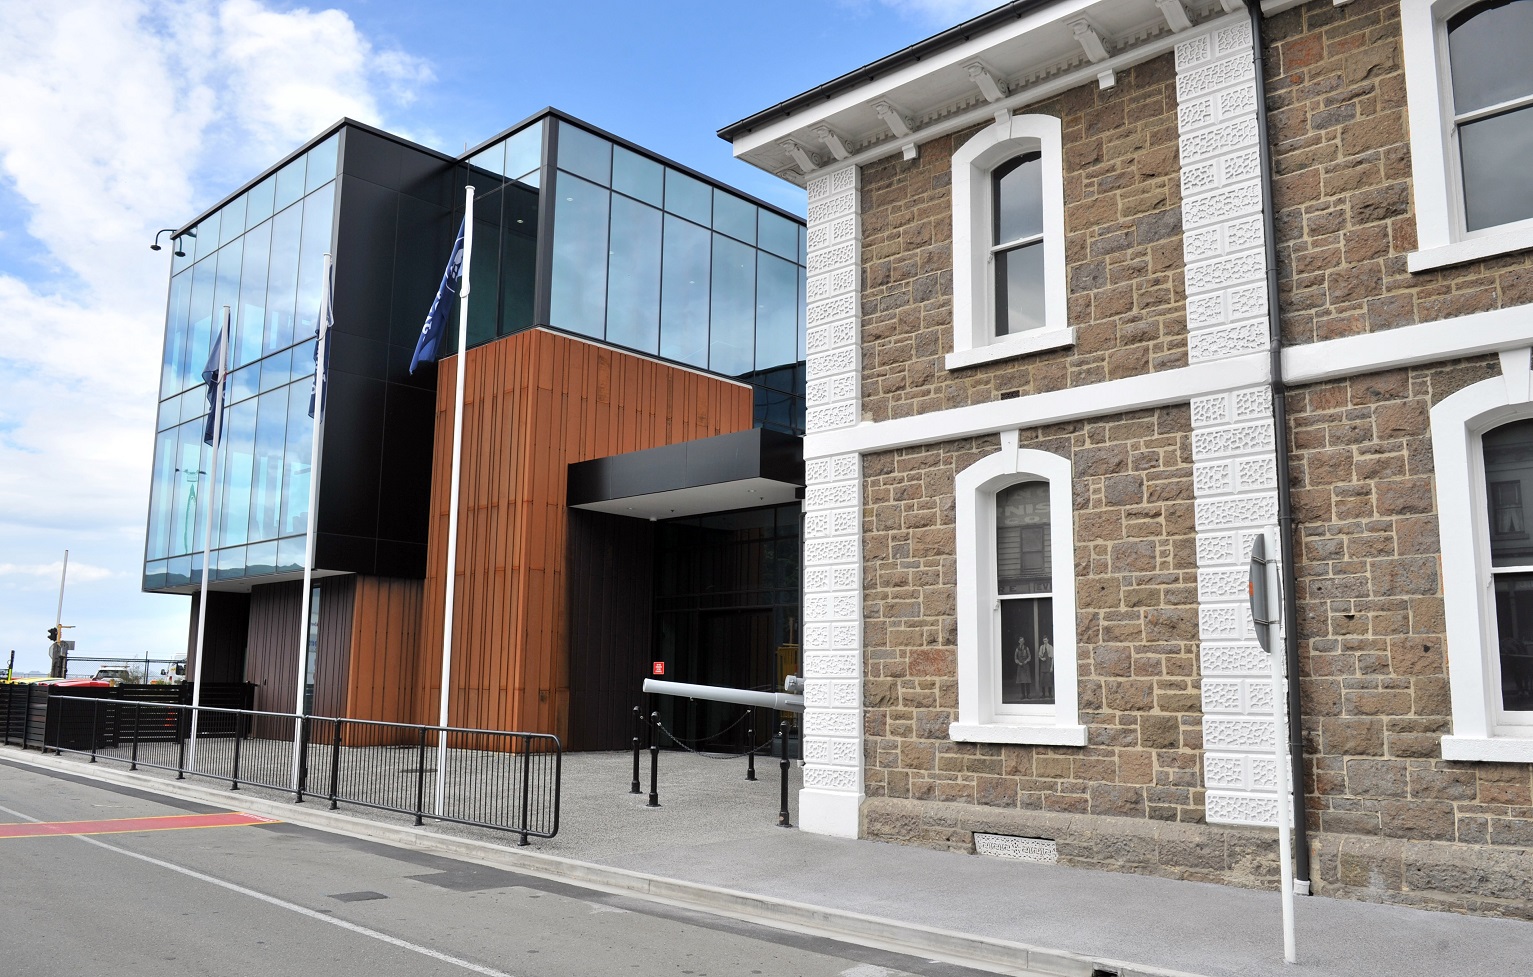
<point>1427,342</point>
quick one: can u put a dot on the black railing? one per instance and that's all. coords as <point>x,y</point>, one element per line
<point>489,778</point>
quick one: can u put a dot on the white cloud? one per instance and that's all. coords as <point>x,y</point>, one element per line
<point>78,572</point>
<point>935,14</point>
<point>117,118</point>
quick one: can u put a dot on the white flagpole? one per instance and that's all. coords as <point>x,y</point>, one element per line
<point>452,511</point>
<point>315,442</point>
<point>207,533</point>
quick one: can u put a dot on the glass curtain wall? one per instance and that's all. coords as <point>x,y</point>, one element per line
<point>262,255</point>
<point>651,259</point>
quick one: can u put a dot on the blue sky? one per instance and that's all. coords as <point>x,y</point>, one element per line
<point>120,117</point>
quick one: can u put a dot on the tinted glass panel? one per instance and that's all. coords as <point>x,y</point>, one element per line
<point>322,159</point>
<point>1508,489</point>
<point>207,238</point>
<point>266,465</point>
<point>184,485</point>
<point>734,216</point>
<point>259,205</point>
<point>684,292</point>
<point>1514,633</point>
<point>518,257</point>
<point>633,276</point>
<point>484,272</point>
<point>261,558</point>
<point>687,197</point>
<point>637,176</point>
<point>177,333</point>
<point>296,460</point>
<point>1023,547</point>
<point>239,437</point>
<point>289,183</point>
<point>231,220</point>
<point>732,322</point>
<point>779,235</point>
<point>1026,661</point>
<point>282,278</point>
<point>579,294</point>
<point>161,494</point>
<point>1019,289</point>
<point>244,382</point>
<point>1019,198</point>
<point>776,311</point>
<point>490,162</point>
<point>1488,46</point>
<point>204,278</point>
<point>227,291</point>
<point>524,151</point>
<point>318,210</point>
<point>1498,184</point>
<point>250,324</point>
<point>584,154</point>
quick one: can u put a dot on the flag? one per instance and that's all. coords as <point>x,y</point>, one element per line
<point>215,382</point>
<point>436,319</point>
<point>323,324</point>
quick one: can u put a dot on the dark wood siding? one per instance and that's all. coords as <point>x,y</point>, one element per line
<point>223,650</point>
<point>610,596</point>
<point>535,402</point>
<point>271,658</point>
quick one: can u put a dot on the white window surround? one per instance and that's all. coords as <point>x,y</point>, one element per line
<point>1480,730</point>
<point>974,339</point>
<point>1440,234</point>
<point>979,613</point>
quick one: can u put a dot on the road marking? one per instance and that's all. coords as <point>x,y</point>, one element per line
<point>283,904</point>
<point>172,822</point>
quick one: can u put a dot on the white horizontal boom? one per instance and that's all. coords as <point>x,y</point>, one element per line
<point>715,693</point>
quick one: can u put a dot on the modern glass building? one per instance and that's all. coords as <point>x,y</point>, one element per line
<point>691,290</point>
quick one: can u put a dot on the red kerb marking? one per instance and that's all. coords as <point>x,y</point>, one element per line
<point>226,819</point>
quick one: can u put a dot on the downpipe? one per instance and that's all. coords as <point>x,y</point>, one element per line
<point>1287,523</point>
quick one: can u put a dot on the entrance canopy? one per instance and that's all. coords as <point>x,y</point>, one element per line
<point>729,471</point>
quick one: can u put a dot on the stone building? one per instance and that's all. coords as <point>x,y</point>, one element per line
<point>1101,291</point>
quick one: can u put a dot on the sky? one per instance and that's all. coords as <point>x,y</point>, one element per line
<point>121,117</point>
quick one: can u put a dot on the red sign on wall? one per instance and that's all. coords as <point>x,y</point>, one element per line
<point>657,668</point>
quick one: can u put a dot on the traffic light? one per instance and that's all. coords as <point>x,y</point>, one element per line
<point>53,635</point>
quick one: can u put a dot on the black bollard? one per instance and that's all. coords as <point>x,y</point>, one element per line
<point>750,740</point>
<point>783,821</point>
<point>638,719</point>
<point>654,760</point>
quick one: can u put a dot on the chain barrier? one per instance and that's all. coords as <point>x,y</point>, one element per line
<point>764,749</point>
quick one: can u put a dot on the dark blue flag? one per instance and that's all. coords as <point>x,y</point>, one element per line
<point>327,324</point>
<point>436,319</point>
<point>215,382</point>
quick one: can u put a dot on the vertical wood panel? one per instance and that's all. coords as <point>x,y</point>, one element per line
<point>385,644</point>
<point>273,644</point>
<point>535,402</point>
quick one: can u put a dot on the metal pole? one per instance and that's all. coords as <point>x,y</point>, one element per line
<point>420,780</point>
<point>239,734</point>
<point>526,785</point>
<point>322,334</point>
<point>303,757</point>
<point>137,721</point>
<point>451,571</point>
<point>750,740</point>
<point>654,760</point>
<point>783,821</point>
<point>180,749</point>
<point>95,726</point>
<point>58,620</point>
<point>207,538</point>
<point>335,764</point>
<point>637,720</point>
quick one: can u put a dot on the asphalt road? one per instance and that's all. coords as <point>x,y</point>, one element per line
<point>274,899</point>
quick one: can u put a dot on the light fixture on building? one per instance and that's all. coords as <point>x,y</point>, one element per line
<point>169,230</point>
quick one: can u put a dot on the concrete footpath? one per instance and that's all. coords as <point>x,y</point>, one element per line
<point>713,845</point>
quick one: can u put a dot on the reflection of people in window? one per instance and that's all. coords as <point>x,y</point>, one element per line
<point>1045,664</point>
<point>1023,657</point>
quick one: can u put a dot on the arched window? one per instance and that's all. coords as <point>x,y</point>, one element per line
<point>1489,47</point>
<point>1024,577</point>
<point>1508,455</point>
<point>1017,249</point>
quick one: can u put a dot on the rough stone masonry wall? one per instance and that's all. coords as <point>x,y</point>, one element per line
<point>1342,165</point>
<point>1373,660</point>
<point>1132,798</point>
<point>1123,251</point>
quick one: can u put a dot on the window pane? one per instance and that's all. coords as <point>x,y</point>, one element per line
<point>734,216</point>
<point>633,277</point>
<point>258,207</point>
<point>290,554</point>
<point>518,258</point>
<point>289,183</point>
<point>231,220</point>
<point>1514,631</point>
<point>207,238</point>
<point>250,324</point>
<point>282,279</point>
<point>579,294</point>
<point>524,152</point>
<point>484,269</point>
<point>204,278</point>
<point>162,491</point>
<point>637,176</point>
<point>266,465</point>
<point>487,166</point>
<point>732,318</point>
<point>1498,186</point>
<point>584,154</point>
<point>177,334</point>
<point>322,159</point>
<point>776,311</point>
<point>1024,558</point>
<point>689,198</point>
<point>779,235</point>
<point>1488,47</point>
<point>684,292</point>
<point>1026,662</point>
<point>227,290</point>
<point>239,441</point>
<point>185,488</point>
<point>1019,198</point>
<point>1019,289</point>
<point>1508,485</point>
<point>261,558</point>
<point>296,460</point>
<point>318,210</point>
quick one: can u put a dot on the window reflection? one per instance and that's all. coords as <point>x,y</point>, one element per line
<point>1508,482</point>
<point>585,154</point>
<point>633,278</point>
<point>282,279</point>
<point>250,321</point>
<point>1493,109</point>
<point>731,346</point>
<point>579,293</point>
<point>684,292</point>
<point>1024,583</point>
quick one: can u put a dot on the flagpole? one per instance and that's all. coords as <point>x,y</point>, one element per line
<point>452,508</point>
<point>207,534</point>
<point>322,330</point>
